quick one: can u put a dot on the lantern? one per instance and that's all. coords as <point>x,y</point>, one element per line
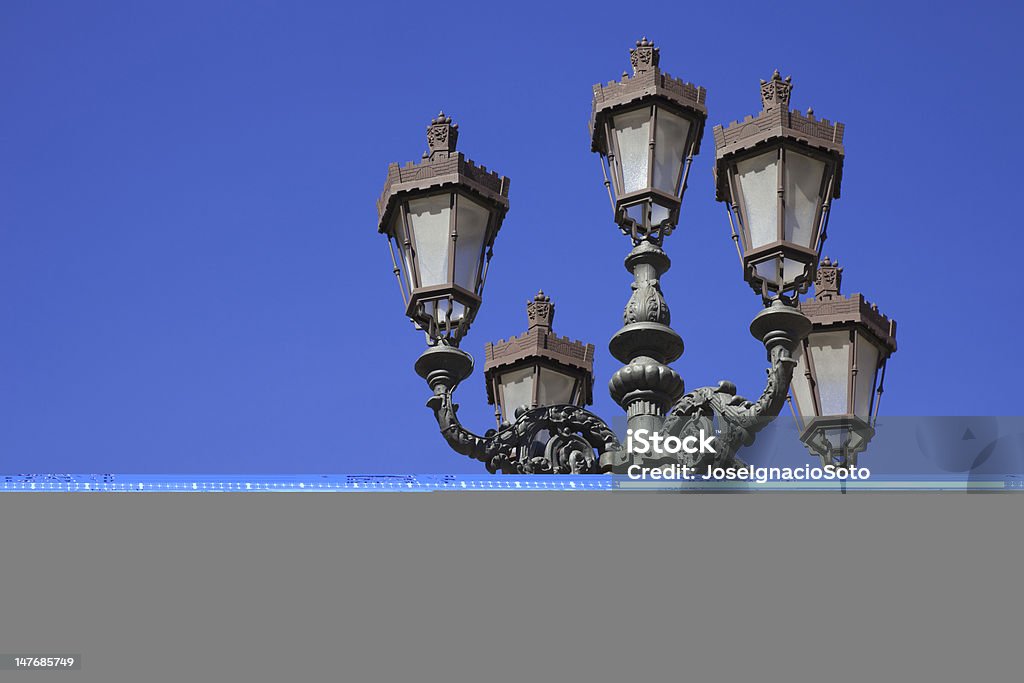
<point>444,214</point>
<point>538,368</point>
<point>840,368</point>
<point>778,172</point>
<point>647,129</point>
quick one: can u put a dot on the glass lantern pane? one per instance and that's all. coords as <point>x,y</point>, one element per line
<point>801,386</point>
<point>647,213</point>
<point>670,133</point>
<point>637,213</point>
<point>803,185</point>
<point>758,178</point>
<point>438,310</point>
<point>867,370</point>
<point>830,353</point>
<point>403,255</point>
<point>659,214</point>
<point>838,437</point>
<point>632,136</point>
<point>516,391</point>
<point>471,227</point>
<point>429,218</point>
<point>770,271</point>
<point>555,387</point>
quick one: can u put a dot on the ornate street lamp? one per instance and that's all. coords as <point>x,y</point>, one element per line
<point>444,213</point>
<point>778,172</point>
<point>840,370</point>
<point>647,129</point>
<point>538,368</point>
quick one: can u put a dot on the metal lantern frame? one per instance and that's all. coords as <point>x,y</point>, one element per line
<point>830,312</point>
<point>652,91</point>
<point>785,133</point>
<point>538,349</point>
<point>443,173</point>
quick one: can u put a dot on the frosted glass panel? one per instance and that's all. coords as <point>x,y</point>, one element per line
<point>516,391</point>
<point>554,388</point>
<point>669,147</point>
<point>801,387</point>
<point>471,226</point>
<point>758,179</point>
<point>429,218</point>
<point>403,255</point>
<point>867,365</point>
<point>830,353</point>
<point>803,182</point>
<point>632,135</point>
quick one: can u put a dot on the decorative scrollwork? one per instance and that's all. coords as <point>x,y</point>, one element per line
<point>560,439</point>
<point>437,135</point>
<point>733,419</point>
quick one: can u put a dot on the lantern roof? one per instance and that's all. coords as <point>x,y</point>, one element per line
<point>441,166</point>
<point>647,82</point>
<point>829,308</point>
<point>539,342</point>
<point>776,122</point>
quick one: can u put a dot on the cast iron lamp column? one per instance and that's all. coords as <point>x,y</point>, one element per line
<point>647,129</point>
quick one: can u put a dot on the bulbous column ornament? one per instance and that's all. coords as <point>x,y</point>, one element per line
<point>718,410</point>
<point>646,386</point>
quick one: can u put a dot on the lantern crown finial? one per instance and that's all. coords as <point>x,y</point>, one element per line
<point>644,57</point>
<point>827,280</point>
<point>775,93</point>
<point>442,136</point>
<point>540,311</point>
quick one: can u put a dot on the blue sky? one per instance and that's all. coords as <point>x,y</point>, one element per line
<point>191,277</point>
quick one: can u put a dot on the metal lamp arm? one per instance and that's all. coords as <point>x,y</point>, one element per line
<point>773,398</point>
<point>572,433</point>
<point>460,439</point>
<point>733,419</point>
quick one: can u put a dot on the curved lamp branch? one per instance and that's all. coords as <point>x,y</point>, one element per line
<point>558,439</point>
<point>733,419</point>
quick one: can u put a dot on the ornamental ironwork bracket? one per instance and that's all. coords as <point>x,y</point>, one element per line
<point>567,439</point>
<point>558,439</point>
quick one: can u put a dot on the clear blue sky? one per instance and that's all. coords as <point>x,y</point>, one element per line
<point>191,277</point>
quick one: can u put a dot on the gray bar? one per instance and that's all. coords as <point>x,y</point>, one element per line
<point>37,662</point>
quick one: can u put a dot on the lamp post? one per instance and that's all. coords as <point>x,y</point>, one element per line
<point>840,370</point>
<point>647,128</point>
